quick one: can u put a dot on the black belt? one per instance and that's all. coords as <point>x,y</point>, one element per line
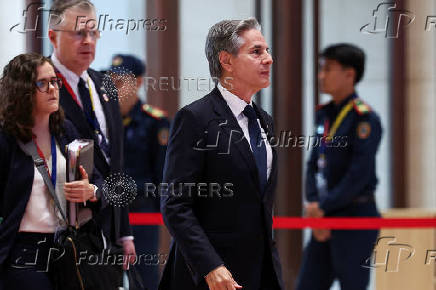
<point>364,198</point>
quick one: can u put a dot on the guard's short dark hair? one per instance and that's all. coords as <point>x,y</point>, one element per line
<point>348,55</point>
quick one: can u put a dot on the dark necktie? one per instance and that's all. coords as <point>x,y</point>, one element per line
<point>257,145</point>
<point>91,117</point>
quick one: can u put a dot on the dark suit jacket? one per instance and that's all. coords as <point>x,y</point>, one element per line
<point>115,135</point>
<point>209,228</point>
<point>16,180</point>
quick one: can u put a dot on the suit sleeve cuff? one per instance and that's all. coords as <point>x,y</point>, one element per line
<point>213,270</point>
<point>126,238</point>
<point>324,206</point>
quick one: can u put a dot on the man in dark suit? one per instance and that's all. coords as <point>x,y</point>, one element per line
<point>86,103</point>
<point>221,173</point>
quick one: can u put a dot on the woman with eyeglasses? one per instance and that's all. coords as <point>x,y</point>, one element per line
<point>30,111</point>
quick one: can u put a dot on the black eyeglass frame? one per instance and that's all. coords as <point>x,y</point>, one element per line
<point>55,82</point>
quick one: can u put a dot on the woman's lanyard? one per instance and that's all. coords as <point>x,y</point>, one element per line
<point>53,159</point>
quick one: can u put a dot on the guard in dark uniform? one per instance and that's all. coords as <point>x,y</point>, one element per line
<point>145,144</point>
<point>341,175</point>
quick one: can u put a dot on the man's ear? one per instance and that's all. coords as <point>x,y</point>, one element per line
<point>226,60</point>
<point>139,81</point>
<point>52,36</point>
<point>351,73</point>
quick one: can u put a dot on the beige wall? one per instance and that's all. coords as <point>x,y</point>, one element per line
<point>421,107</point>
<point>13,42</point>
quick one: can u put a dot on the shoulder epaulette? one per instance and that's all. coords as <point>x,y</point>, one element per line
<point>153,111</point>
<point>361,107</point>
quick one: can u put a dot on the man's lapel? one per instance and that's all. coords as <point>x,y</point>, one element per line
<point>74,113</point>
<point>230,126</point>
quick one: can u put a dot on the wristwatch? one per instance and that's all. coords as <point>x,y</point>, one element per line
<point>94,198</point>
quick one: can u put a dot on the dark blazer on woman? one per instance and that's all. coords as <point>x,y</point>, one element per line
<point>16,180</point>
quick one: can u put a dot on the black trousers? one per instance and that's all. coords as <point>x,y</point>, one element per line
<point>27,265</point>
<point>341,257</point>
<point>269,277</point>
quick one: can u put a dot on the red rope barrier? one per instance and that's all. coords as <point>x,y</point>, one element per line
<point>344,223</point>
<point>352,223</point>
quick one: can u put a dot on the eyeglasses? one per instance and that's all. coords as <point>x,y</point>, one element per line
<point>44,85</point>
<point>82,34</point>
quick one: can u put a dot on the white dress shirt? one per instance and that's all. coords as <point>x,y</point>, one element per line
<point>73,81</point>
<point>237,106</point>
<point>41,214</point>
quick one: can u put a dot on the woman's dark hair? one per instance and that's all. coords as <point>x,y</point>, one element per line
<point>17,93</point>
<point>348,55</point>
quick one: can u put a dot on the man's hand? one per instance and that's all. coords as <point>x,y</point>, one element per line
<point>314,211</point>
<point>321,235</point>
<point>221,279</point>
<point>129,253</point>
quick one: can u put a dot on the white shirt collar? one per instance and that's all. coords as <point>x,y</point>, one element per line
<point>71,78</point>
<point>236,104</point>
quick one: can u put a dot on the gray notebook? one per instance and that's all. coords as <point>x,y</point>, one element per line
<point>79,152</point>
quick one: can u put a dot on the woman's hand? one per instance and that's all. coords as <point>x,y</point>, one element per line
<point>80,190</point>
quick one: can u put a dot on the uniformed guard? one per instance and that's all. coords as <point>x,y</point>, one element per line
<point>341,175</point>
<point>145,143</point>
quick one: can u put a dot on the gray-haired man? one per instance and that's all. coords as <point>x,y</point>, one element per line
<point>74,37</point>
<point>224,172</point>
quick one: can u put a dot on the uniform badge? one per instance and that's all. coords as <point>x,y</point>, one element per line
<point>320,130</point>
<point>105,97</point>
<point>363,130</point>
<point>162,136</point>
<point>116,61</point>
